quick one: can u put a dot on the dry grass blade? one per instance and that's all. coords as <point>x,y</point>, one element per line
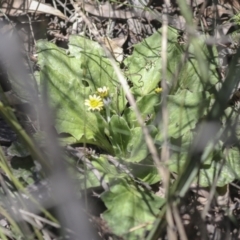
<point>164,111</point>
<point>35,6</point>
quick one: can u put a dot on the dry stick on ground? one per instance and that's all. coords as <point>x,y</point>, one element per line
<point>64,7</point>
<point>58,35</point>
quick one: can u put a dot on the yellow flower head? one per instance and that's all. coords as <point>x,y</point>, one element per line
<point>103,92</point>
<point>158,90</point>
<point>94,103</point>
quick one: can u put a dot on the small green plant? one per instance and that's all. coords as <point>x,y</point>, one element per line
<point>92,108</point>
<point>236,18</point>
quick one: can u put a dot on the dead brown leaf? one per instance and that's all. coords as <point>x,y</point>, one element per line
<point>231,4</point>
<point>211,12</point>
<point>107,11</point>
<point>115,47</point>
<point>19,7</point>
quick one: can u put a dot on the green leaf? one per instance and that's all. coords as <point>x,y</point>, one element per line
<point>20,150</point>
<point>213,166</point>
<point>120,135</point>
<point>23,83</point>
<point>224,172</point>
<point>146,106</point>
<point>181,147</point>
<point>185,109</point>
<point>137,147</point>
<point>231,123</point>
<point>192,76</point>
<point>17,149</point>
<point>144,65</point>
<point>107,171</point>
<point>22,169</point>
<point>146,171</point>
<point>67,140</point>
<point>128,207</point>
<point>233,161</point>
<point>71,114</point>
<point>97,70</point>
<point>62,76</point>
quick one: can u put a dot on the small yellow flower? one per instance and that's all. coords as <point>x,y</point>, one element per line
<point>94,103</point>
<point>103,92</point>
<point>158,90</point>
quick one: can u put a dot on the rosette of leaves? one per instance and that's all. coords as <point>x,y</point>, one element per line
<point>69,78</point>
<point>131,210</point>
<point>189,98</point>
